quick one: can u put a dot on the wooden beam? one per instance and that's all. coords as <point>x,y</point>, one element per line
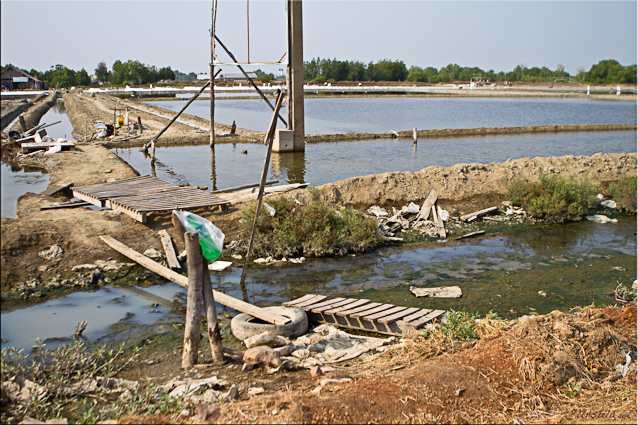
<point>169,250</point>
<point>471,216</point>
<point>181,280</point>
<point>424,212</point>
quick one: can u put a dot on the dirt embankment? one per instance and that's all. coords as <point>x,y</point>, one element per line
<point>462,188</point>
<point>464,132</point>
<point>85,110</point>
<point>11,109</point>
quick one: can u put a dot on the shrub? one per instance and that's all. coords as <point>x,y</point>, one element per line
<point>315,230</point>
<point>554,198</point>
<point>624,193</point>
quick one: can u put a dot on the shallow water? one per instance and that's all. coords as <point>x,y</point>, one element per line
<point>372,115</point>
<point>575,264</point>
<point>226,166</point>
<point>16,181</point>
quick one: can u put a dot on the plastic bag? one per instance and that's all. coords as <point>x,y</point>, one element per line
<point>211,238</point>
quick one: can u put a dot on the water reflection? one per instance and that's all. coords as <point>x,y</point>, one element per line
<point>290,166</point>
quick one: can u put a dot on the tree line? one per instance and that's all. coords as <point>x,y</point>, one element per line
<point>332,70</point>
<point>321,71</point>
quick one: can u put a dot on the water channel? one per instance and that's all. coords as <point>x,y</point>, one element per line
<point>372,115</point>
<point>574,264</point>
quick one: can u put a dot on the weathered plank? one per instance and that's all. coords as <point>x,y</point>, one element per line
<point>384,313</point>
<point>311,301</point>
<point>169,250</point>
<point>358,309</point>
<point>424,213</point>
<point>373,311</point>
<point>299,300</point>
<point>471,216</point>
<point>181,280</point>
<point>398,315</point>
<point>331,305</point>
<point>428,317</point>
<point>353,304</point>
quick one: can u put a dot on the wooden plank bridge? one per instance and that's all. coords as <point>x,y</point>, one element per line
<point>363,315</point>
<point>139,196</point>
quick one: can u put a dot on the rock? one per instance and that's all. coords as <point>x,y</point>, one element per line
<point>255,390</point>
<point>315,371</point>
<point>438,292</point>
<point>262,355</point>
<point>232,393</point>
<point>153,254</point>
<point>265,338</point>
<point>51,252</point>
<point>286,350</point>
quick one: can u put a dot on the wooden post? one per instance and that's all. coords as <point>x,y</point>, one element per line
<point>23,124</point>
<point>193,300</point>
<point>214,334</point>
<point>139,125</point>
<point>269,139</point>
<point>414,134</point>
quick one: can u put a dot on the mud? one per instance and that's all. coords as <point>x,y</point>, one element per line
<point>11,110</point>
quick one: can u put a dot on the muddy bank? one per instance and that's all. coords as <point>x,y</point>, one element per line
<point>85,110</point>
<point>11,110</point>
<point>463,132</point>
<point>26,273</point>
<point>35,113</point>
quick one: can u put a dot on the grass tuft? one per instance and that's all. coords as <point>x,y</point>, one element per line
<point>624,193</point>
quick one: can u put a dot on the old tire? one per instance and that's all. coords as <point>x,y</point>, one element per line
<point>244,326</point>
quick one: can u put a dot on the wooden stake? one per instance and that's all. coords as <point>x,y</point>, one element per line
<point>139,125</point>
<point>193,300</point>
<point>23,124</point>
<point>167,243</point>
<point>269,139</point>
<point>214,334</point>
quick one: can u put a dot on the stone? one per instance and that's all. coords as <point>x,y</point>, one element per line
<point>51,252</point>
<point>262,355</point>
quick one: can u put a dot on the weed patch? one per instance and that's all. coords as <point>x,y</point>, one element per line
<point>554,198</point>
<point>624,193</point>
<point>313,230</point>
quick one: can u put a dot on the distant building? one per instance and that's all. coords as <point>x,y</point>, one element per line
<point>16,79</point>
<point>234,78</point>
<point>203,77</point>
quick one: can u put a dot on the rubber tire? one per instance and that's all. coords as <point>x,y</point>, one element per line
<point>244,326</point>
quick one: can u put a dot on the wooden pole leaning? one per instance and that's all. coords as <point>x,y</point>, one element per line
<point>193,300</point>
<point>212,73</point>
<point>269,139</point>
<point>151,144</point>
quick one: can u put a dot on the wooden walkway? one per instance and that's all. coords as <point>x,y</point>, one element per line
<point>363,315</point>
<point>138,196</point>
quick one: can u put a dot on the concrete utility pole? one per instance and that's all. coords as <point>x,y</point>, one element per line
<point>295,61</point>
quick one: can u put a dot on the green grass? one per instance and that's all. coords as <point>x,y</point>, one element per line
<point>313,230</point>
<point>554,198</point>
<point>624,193</point>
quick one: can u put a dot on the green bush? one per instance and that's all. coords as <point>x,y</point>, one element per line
<point>624,193</point>
<point>554,198</point>
<point>314,230</point>
<point>460,326</point>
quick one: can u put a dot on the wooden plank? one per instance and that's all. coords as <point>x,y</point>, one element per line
<point>73,204</point>
<point>299,300</point>
<point>469,235</point>
<point>358,309</point>
<point>245,186</point>
<point>416,315</point>
<point>309,302</point>
<point>383,313</point>
<point>169,250</point>
<point>56,189</point>
<point>332,305</point>
<point>374,310</point>
<point>355,303</point>
<point>439,223</point>
<point>424,213</point>
<point>146,295</point>
<point>398,315</point>
<point>181,280</point>
<point>468,217</point>
<point>428,317</point>
<point>322,304</point>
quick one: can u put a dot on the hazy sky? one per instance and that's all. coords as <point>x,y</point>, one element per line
<point>491,35</point>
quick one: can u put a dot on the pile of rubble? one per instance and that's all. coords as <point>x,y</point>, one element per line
<point>430,220</point>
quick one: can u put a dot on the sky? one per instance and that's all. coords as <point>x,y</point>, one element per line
<point>496,35</point>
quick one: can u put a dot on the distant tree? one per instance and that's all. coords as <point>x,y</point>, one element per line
<point>610,71</point>
<point>166,74</point>
<point>37,74</point>
<point>60,75</point>
<point>101,72</point>
<point>82,78</point>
